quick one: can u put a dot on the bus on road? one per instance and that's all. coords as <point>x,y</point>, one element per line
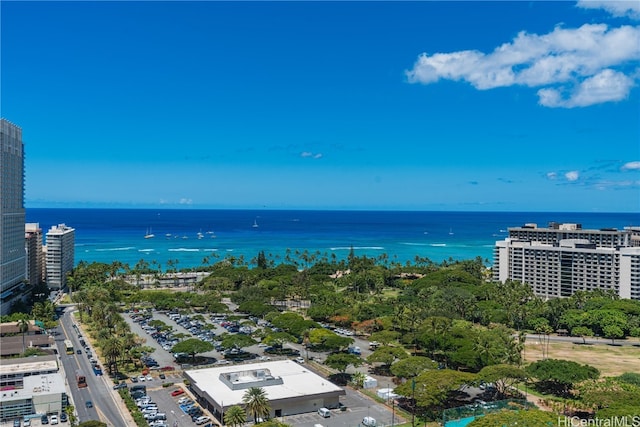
<point>68,346</point>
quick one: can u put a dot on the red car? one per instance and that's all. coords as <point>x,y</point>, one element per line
<point>177,392</point>
<point>167,368</point>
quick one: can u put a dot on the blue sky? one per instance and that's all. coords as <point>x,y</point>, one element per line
<point>503,106</point>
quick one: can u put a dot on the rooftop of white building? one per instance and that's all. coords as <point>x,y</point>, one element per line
<point>283,379</point>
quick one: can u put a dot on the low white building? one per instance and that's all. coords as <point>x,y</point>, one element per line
<point>291,388</point>
<point>31,385</point>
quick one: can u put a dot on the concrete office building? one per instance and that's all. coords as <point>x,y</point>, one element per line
<point>60,253</point>
<point>291,388</point>
<point>30,386</point>
<point>12,216</point>
<point>561,259</point>
<point>34,254</point>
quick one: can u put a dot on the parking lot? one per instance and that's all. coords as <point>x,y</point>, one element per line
<point>357,405</point>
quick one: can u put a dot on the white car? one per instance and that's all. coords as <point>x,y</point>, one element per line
<point>149,378</point>
<point>264,358</point>
<point>53,420</point>
<point>299,359</point>
<point>202,420</point>
<point>369,422</point>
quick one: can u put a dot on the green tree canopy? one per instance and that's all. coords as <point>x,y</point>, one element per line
<point>559,376</point>
<point>433,387</point>
<point>387,355</point>
<point>293,323</point>
<point>503,376</point>
<point>412,366</point>
<point>279,338</point>
<point>341,361</point>
<point>237,341</point>
<point>192,346</point>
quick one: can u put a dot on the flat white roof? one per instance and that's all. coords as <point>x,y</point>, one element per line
<point>297,381</point>
<point>36,385</point>
<point>24,366</point>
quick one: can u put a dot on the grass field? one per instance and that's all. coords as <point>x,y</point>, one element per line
<point>610,360</point>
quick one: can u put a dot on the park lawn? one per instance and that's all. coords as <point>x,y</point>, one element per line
<point>610,360</point>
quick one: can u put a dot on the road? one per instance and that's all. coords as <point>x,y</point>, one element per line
<point>99,389</point>
<point>533,338</point>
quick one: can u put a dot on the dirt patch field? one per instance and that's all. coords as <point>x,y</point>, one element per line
<point>610,360</point>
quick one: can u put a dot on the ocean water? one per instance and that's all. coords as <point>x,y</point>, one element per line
<point>185,237</point>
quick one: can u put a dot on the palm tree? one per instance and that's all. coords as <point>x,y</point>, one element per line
<point>23,327</point>
<point>112,351</point>
<point>235,416</point>
<point>255,399</point>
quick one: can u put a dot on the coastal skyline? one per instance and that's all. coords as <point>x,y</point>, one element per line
<point>472,106</point>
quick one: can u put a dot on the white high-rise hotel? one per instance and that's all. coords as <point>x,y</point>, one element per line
<point>12,214</point>
<point>60,255</point>
<point>561,259</point>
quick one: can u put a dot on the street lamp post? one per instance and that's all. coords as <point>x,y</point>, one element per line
<point>393,412</point>
<point>413,397</point>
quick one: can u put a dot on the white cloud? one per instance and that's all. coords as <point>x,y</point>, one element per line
<point>552,175</point>
<point>592,57</point>
<point>616,8</point>
<point>308,154</point>
<point>572,176</point>
<point>605,185</point>
<point>631,166</point>
<point>605,86</point>
<point>185,201</point>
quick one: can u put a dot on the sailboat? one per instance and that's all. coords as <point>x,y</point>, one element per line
<point>255,224</point>
<point>450,232</point>
<point>149,234</point>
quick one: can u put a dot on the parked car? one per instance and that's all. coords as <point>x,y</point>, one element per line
<point>324,412</point>
<point>63,417</point>
<point>54,420</point>
<point>119,386</point>
<point>177,392</point>
<point>369,422</point>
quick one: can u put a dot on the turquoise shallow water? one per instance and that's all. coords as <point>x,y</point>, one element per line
<point>186,237</point>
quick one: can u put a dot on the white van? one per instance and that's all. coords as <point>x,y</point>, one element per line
<point>369,422</point>
<point>324,412</point>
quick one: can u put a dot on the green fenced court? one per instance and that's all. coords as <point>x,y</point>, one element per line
<point>463,415</point>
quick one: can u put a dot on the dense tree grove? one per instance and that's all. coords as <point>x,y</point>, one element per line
<point>439,327</point>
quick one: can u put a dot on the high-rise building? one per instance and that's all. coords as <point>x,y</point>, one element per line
<point>35,254</point>
<point>561,259</point>
<point>12,215</point>
<point>60,255</point>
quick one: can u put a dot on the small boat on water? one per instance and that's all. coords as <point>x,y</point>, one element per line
<point>149,234</point>
<point>255,224</point>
